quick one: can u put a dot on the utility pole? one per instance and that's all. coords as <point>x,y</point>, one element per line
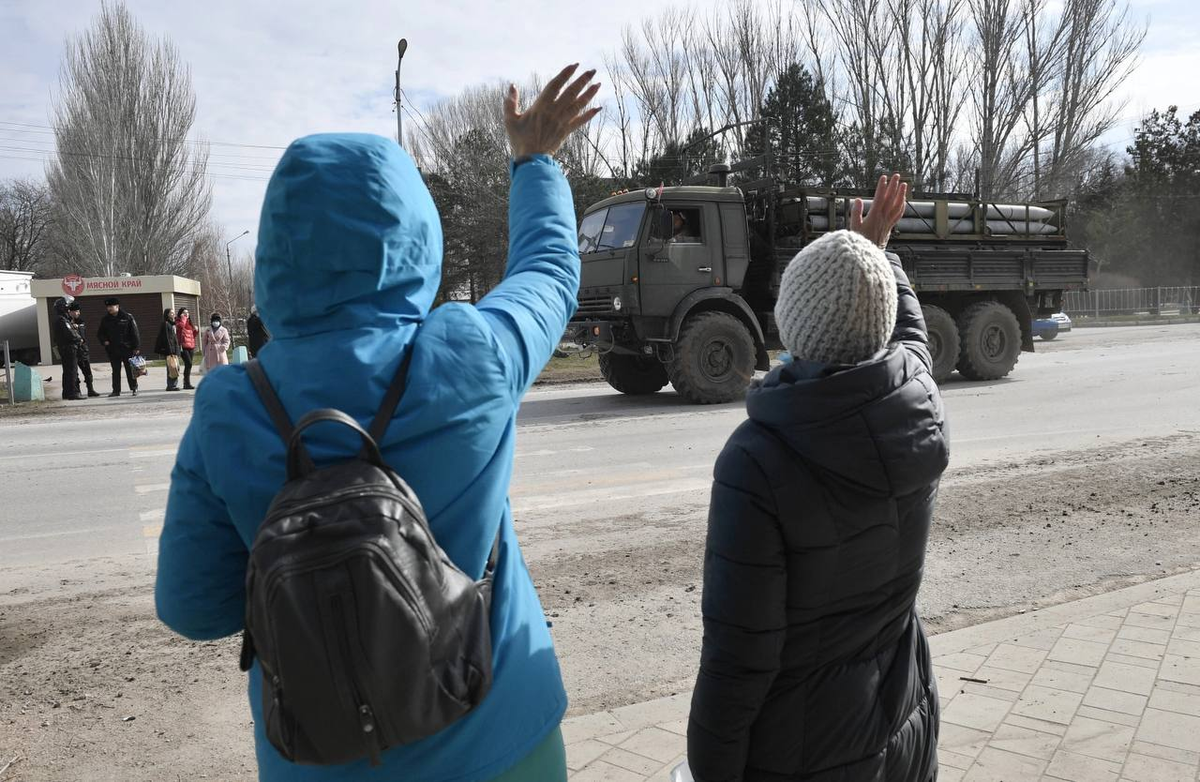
<point>229,265</point>
<point>401,48</point>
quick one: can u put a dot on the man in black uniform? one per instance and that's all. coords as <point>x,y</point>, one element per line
<point>82,354</point>
<point>119,335</point>
<point>67,340</point>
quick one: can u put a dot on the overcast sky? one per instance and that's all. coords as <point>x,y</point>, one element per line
<point>265,74</point>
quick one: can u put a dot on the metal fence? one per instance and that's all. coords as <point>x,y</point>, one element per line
<point>1133,301</point>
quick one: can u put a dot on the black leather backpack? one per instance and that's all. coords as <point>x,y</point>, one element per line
<point>366,633</point>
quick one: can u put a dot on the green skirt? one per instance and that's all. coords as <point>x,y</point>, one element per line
<point>547,763</point>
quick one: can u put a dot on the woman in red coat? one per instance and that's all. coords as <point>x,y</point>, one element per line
<point>187,333</point>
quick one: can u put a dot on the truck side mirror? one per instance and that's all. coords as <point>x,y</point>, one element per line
<point>662,225</point>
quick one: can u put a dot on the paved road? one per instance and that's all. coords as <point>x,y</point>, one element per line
<point>94,484</point>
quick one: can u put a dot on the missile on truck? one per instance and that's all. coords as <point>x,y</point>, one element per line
<point>679,283</point>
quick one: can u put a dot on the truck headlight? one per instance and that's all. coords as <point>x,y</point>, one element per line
<point>617,304</point>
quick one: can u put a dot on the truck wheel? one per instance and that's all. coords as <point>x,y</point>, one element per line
<point>991,341</point>
<point>634,375</point>
<point>943,341</point>
<point>714,359</point>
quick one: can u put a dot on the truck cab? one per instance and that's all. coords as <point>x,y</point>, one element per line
<point>653,261</point>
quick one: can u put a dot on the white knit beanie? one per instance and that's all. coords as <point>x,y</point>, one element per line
<point>837,300</point>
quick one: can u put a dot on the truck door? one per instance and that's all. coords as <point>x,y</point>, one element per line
<point>687,260</point>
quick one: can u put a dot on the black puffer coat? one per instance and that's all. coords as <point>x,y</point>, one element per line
<point>167,343</point>
<point>814,665</point>
<point>120,332</point>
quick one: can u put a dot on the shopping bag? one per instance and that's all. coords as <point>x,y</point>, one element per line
<point>139,366</point>
<point>172,367</point>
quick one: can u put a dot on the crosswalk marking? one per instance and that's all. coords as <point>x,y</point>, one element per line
<point>150,488</point>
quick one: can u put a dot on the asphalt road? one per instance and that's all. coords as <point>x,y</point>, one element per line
<point>93,483</point>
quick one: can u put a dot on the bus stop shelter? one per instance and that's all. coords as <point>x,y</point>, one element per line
<point>143,297</point>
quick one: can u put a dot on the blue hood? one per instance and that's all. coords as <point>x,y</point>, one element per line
<point>348,238</point>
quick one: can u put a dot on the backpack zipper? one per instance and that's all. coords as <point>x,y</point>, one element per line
<point>340,495</point>
<point>366,716</point>
<point>275,576</point>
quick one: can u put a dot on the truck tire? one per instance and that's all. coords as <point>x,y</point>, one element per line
<point>714,359</point>
<point>633,375</point>
<point>943,341</point>
<point>991,341</point>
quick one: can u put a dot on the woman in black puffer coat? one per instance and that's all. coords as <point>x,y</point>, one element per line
<point>167,346</point>
<point>814,664</point>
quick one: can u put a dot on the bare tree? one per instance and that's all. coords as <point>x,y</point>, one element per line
<point>130,190</point>
<point>1100,42</point>
<point>25,219</point>
<point>1002,90</point>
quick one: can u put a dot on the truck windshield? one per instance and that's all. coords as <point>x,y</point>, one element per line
<point>613,228</point>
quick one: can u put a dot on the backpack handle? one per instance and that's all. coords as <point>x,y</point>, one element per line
<point>299,463</point>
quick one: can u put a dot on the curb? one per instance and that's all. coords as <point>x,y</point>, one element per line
<point>1083,324</point>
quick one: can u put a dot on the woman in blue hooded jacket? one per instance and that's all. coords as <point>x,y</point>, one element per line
<point>348,263</point>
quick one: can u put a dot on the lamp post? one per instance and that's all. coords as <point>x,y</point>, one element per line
<point>229,265</point>
<point>401,48</point>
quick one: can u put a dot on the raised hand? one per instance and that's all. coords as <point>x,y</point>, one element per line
<point>557,112</point>
<point>886,210</point>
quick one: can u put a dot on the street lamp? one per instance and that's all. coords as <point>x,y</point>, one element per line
<point>229,265</point>
<point>401,48</point>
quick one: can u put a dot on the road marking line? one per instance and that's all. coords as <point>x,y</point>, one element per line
<point>606,496</point>
<point>151,515</point>
<point>614,481</point>
<point>57,454</point>
<point>545,452</point>
<point>62,534</point>
<point>150,488</point>
<point>152,453</point>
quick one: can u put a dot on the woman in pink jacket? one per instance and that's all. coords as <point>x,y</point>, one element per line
<point>216,343</point>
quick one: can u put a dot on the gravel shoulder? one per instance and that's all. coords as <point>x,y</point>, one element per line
<point>81,651</point>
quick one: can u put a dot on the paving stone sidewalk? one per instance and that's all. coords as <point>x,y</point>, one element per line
<point>1103,688</point>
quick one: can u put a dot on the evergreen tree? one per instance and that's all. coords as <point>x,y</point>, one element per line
<point>801,132</point>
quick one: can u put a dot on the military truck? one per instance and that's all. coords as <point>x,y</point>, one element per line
<point>679,283</point>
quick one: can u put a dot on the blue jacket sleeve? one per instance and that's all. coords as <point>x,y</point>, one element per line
<point>528,311</point>
<point>200,589</point>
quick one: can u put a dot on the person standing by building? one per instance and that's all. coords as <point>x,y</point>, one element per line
<point>66,339</point>
<point>119,335</point>
<point>216,343</point>
<point>167,346</point>
<point>186,332</point>
<point>256,332</point>
<point>83,355</point>
<point>814,664</point>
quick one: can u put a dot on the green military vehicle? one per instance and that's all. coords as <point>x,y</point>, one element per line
<point>679,283</point>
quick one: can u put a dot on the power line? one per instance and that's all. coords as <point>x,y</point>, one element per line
<point>50,129</point>
<point>207,173</point>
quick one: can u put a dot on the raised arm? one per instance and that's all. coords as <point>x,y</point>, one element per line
<point>528,311</point>
<point>886,210</point>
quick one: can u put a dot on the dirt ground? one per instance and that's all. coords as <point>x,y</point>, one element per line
<point>93,688</point>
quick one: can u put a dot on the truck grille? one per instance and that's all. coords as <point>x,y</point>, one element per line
<point>594,305</point>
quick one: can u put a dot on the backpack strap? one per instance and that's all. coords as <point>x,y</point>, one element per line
<point>391,399</point>
<point>275,408</point>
